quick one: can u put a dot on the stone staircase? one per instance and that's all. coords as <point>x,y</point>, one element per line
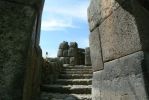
<point>74,83</point>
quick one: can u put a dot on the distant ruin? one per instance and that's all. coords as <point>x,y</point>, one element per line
<point>68,75</point>
<point>68,55</point>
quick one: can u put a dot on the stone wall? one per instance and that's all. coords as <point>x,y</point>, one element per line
<point>81,56</point>
<point>119,45</point>
<point>20,54</point>
<point>71,54</point>
<point>51,69</point>
<point>63,52</point>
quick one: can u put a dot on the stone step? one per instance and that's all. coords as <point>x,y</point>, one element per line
<point>74,81</point>
<point>73,70</point>
<point>77,72</point>
<point>77,67</point>
<point>75,76</point>
<point>58,96</point>
<point>68,89</point>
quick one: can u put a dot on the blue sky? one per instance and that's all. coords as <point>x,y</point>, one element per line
<point>64,20</point>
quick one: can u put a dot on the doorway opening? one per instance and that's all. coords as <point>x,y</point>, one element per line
<point>64,37</point>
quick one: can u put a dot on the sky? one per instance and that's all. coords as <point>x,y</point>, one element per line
<point>64,20</point>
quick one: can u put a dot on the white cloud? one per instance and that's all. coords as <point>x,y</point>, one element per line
<point>56,24</point>
<point>61,17</point>
<point>75,11</point>
<point>84,42</point>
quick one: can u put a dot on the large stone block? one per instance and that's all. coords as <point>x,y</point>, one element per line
<point>81,59</point>
<point>65,53</point>
<point>72,61</point>
<point>50,71</point>
<point>81,56</point>
<point>72,52</point>
<point>62,60</point>
<point>73,45</point>
<point>119,35</point>
<point>95,50</point>
<point>99,10</point>
<point>141,15</point>
<point>67,60</point>
<point>87,56</point>
<point>121,79</point>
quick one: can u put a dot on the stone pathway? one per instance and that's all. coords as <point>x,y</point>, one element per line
<point>74,83</point>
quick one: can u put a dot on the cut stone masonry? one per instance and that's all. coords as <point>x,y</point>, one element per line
<point>119,49</point>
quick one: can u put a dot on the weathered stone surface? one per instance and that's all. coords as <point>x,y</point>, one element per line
<point>81,56</point>
<point>67,60</point>
<point>72,52</point>
<point>28,2</point>
<point>141,16</point>
<point>87,50</point>
<point>71,84</point>
<point>60,53</point>
<point>51,70</point>
<point>73,45</point>
<point>99,10</point>
<point>16,27</point>
<point>81,50</point>
<point>125,88</point>
<point>121,78</point>
<point>81,60</point>
<point>95,50</point>
<point>36,81</point>
<point>52,59</point>
<point>119,35</point>
<point>87,56</point>
<point>65,53</point>
<point>72,61</point>
<point>62,60</point>
<point>122,33</point>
